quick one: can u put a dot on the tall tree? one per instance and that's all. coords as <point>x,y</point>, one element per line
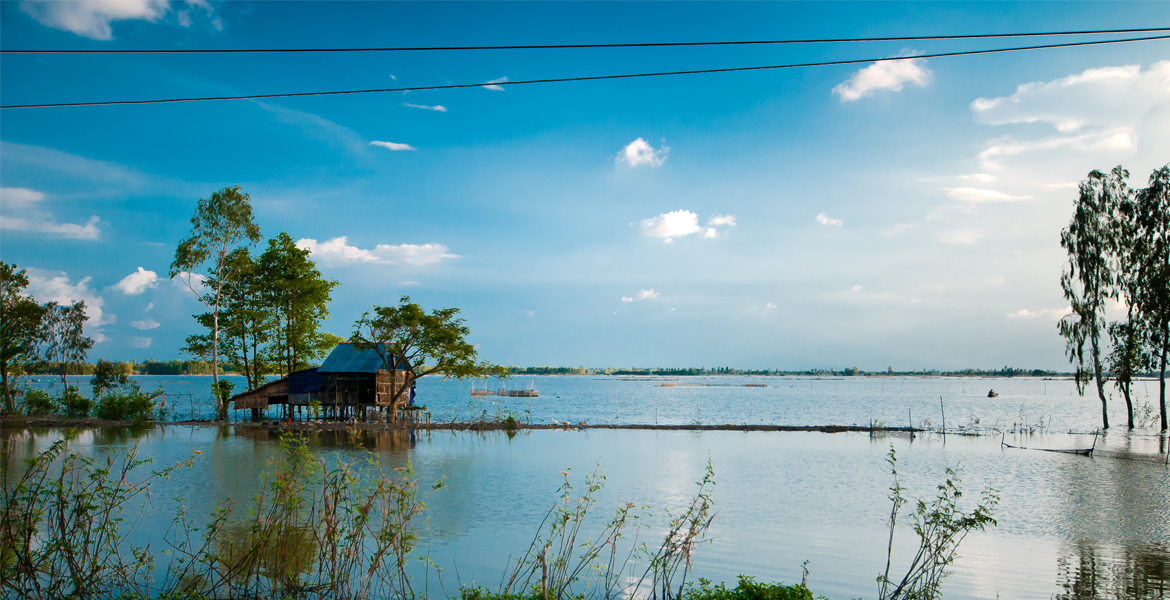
<point>299,296</point>
<point>20,325</point>
<point>1088,279</point>
<point>1154,297</point>
<point>1128,252</point>
<point>221,224</point>
<point>63,339</point>
<point>434,343</point>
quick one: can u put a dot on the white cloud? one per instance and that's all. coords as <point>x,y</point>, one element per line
<point>412,254</point>
<point>627,299</point>
<point>20,196</point>
<point>145,325</point>
<point>338,251</point>
<point>184,18</point>
<point>978,196</point>
<point>1054,314</point>
<point>140,342</point>
<point>885,75</point>
<point>728,220</point>
<point>184,278</point>
<point>495,88</point>
<point>649,294</point>
<point>1096,118</point>
<point>531,313</point>
<point>672,224</point>
<point>44,222</point>
<point>92,18</point>
<point>639,152</point>
<point>962,236</point>
<point>149,307</point>
<point>769,305</point>
<point>55,286</point>
<point>136,283</point>
<point>857,288</point>
<point>710,232</point>
<point>436,108</point>
<point>980,177</point>
<point>824,219</point>
<point>393,146</point>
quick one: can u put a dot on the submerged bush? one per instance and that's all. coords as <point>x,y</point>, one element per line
<point>748,589</point>
<point>74,403</point>
<point>131,405</point>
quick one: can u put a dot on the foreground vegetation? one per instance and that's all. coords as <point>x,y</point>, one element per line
<point>348,529</point>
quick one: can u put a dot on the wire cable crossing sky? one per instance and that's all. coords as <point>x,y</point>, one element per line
<point>588,78</point>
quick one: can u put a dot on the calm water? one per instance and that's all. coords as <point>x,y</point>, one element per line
<point>1069,526</point>
<point>786,400</point>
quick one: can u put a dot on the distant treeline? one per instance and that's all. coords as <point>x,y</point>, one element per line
<point>849,372</point>
<point>150,367</point>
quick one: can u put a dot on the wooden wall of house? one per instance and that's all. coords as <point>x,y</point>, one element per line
<point>388,384</point>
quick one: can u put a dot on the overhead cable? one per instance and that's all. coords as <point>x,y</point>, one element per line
<point>578,46</point>
<point>584,78</point>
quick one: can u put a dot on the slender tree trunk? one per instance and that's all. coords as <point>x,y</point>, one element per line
<point>1100,383</point>
<point>1162,382</point>
<point>9,405</point>
<point>220,405</point>
<point>1128,402</point>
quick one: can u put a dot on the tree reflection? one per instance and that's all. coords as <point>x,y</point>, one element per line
<point>1087,570</point>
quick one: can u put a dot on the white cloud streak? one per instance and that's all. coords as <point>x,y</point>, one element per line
<point>728,220</point>
<point>887,75</point>
<point>495,88</point>
<point>436,108</point>
<point>145,325</point>
<point>92,18</point>
<point>980,196</point>
<point>1054,314</point>
<point>338,251</point>
<point>393,146</point>
<point>136,283</point>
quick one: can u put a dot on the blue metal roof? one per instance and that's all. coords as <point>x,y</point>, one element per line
<point>346,359</point>
<point>303,382</point>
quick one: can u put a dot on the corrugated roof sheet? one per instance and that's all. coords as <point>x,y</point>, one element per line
<point>303,382</point>
<point>346,359</point>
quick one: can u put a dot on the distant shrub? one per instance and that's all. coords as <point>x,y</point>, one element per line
<point>126,405</point>
<point>38,402</point>
<point>747,589</point>
<point>75,404</point>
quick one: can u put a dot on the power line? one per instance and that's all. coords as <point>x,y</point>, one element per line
<point>572,46</point>
<point>585,78</point>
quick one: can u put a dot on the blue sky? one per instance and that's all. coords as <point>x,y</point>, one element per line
<point>905,214</point>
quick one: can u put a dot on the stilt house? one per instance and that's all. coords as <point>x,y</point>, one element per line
<point>350,382</point>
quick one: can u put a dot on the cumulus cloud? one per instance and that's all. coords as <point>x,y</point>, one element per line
<point>393,146</point>
<point>339,251</point>
<point>722,220</point>
<point>885,75</point>
<point>495,88</point>
<point>962,236</point>
<point>56,286</point>
<point>640,153</point>
<point>769,305</point>
<point>642,295</point>
<point>1054,314</point>
<point>140,342</point>
<point>436,108</point>
<point>978,196</point>
<point>136,283</point>
<point>92,18</point>
<point>824,219</point>
<point>145,325</point>
<point>671,225</point>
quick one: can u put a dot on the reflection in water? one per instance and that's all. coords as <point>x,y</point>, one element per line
<point>1088,570</point>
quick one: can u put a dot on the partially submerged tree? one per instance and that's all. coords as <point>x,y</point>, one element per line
<point>221,224</point>
<point>431,344</point>
<point>1088,280</point>
<point>20,325</point>
<point>1153,298</point>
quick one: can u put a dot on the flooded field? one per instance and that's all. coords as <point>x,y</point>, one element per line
<point>1069,526</point>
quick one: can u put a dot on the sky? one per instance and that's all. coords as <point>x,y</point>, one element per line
<point>901,214</point>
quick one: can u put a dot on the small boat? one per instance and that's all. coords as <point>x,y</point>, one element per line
<point>992,394</point>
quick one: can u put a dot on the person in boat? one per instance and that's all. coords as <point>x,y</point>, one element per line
<point>991,394</point>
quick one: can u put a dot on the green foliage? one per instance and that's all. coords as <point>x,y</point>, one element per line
<point>941,527</point>
<point>747,589</point>
<point>221,224</point>
<point>20,326</point>
<point>108,375</point>
<point>299,297</point>
<point>38,402</point>
<point>63,339</point>
<point>434,343</point>
<point>127,405</point>
<point>74,403</point>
